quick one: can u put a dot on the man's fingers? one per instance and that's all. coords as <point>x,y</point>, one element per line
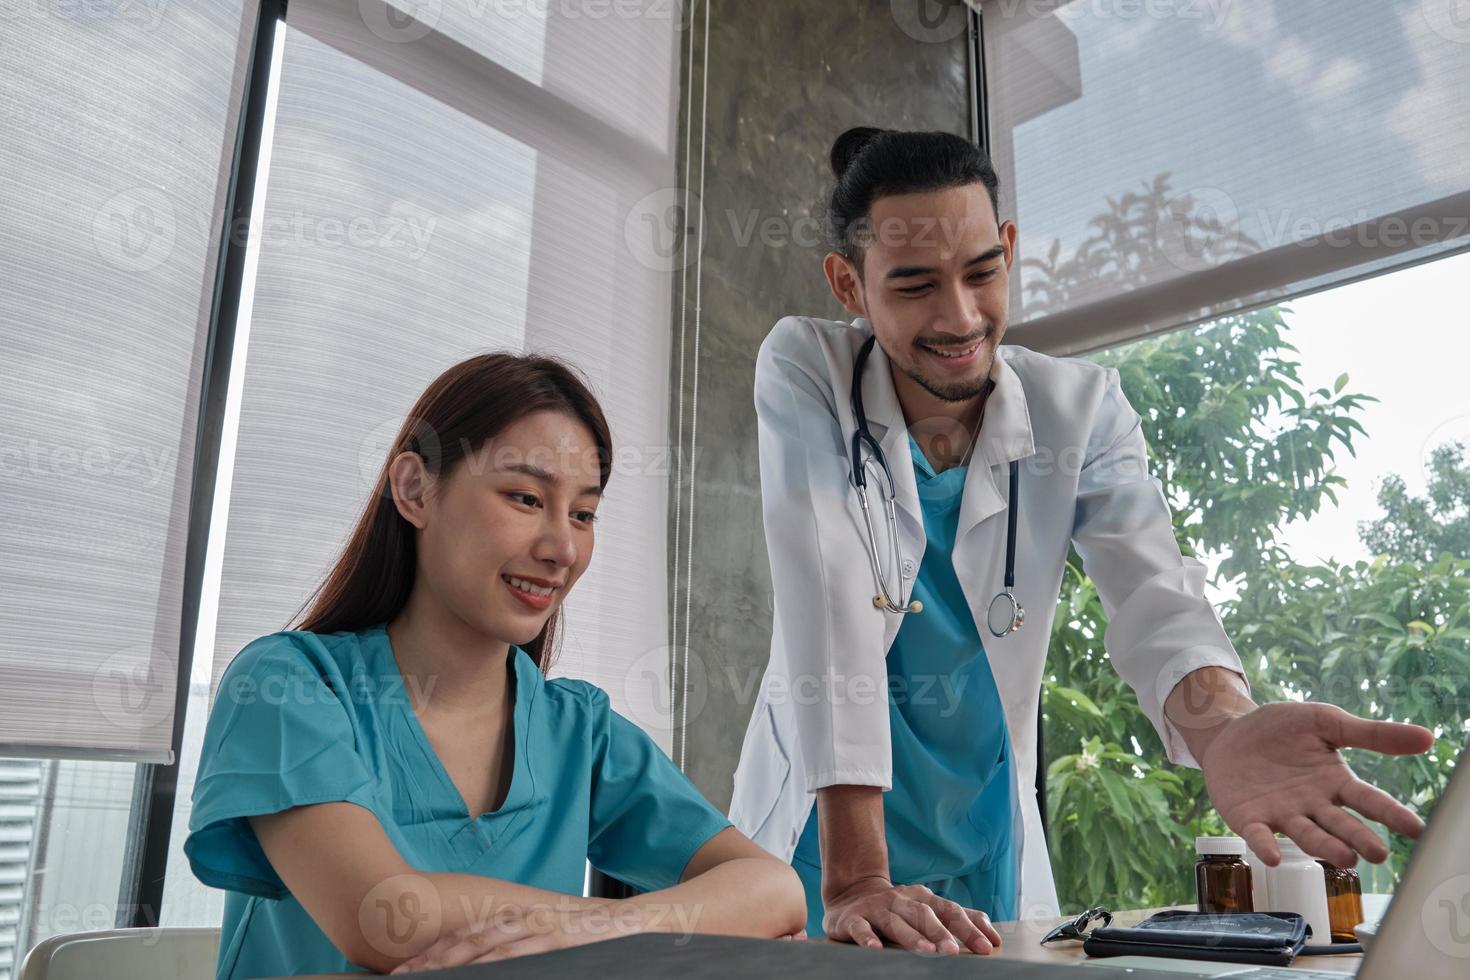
<point>861,933</point>
<point>1262,841</point>
<point>983,922</point>
<point>1318,842</point>
<point>956,918</point>
<point>1375,804</point>
<point>1352,832</point>
<point>898,930</point>
<point>1345,729</point>
<point>923,917</point>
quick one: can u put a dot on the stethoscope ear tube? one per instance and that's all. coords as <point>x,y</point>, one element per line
<point>1012,613</point>
<point>1013,509</point>
<point>883,598</point>
<point>860,435</point>
<point>1005,609</point>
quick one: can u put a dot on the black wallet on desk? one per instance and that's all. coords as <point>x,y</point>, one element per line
<point>1265,938</point>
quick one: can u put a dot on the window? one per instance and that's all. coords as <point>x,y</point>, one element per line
<point>1268,149</point>
<point>421,201</point>
<point>119,124</point>
<point>62,828</point>
<point>428,189</point>
<point>1325,487</point>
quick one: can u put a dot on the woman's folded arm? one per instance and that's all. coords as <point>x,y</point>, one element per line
<point>375,907</point>
<point>381,912</point>
<point>730,887</point>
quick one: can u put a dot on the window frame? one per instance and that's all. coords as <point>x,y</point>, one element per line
<point>155,787</point>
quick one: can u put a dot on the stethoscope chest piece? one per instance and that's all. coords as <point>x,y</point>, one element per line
<point>1005,614</point>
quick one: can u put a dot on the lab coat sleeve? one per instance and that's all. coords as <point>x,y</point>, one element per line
<point>833,670</point>
<point>1160,625</point>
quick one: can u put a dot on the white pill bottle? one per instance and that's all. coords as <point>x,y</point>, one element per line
<point>1298,885</point>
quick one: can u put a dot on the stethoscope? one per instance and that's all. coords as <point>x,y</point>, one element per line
<point>1005,615</point>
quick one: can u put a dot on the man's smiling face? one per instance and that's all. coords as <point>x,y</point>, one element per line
<point>936,287</point>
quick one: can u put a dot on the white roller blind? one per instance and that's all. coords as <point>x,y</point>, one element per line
<point>117,126</point>
<point>565,47</point>
<point>492,213</point>
<point>1172,160</point>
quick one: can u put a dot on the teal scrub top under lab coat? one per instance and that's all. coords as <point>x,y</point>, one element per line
<point>952,817</point>
<point>306,718</point>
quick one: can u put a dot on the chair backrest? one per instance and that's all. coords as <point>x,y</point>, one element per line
<point>124,954</point>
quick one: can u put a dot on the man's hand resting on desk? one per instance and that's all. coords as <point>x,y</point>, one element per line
<point>1276,768</point>
<point>860,903</point>
<point>911,916</point>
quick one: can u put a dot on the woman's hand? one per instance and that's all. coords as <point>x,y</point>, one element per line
<point>520,930</point>
<point>911,916</point>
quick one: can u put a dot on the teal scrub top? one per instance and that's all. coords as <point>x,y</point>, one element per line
<point>952,817</point>
<point>306,718</point>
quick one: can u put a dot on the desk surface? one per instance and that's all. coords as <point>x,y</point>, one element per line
<point>1021,942</point>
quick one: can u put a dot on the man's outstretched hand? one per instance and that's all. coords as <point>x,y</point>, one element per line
<point>1277,768</point>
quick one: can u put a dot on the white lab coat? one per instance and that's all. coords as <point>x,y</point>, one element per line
<point>821,713</point>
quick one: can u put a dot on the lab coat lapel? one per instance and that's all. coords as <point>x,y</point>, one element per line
<point>1004,435</point>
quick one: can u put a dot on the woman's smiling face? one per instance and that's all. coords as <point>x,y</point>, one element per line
<point>507,535</point>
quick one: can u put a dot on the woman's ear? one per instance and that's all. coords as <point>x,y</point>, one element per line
<point>410,483</point>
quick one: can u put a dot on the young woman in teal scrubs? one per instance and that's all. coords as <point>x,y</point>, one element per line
<point>397,784</point>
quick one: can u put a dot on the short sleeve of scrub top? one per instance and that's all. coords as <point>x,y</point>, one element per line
<point>647,818</point>
<point>303,718</point>
<point>279,736</point>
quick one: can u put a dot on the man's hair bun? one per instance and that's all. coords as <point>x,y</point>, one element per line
<point>847,147</point>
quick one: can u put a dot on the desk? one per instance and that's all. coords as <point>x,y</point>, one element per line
<point>1020,942</point>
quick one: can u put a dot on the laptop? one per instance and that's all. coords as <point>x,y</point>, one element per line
<point>1425,935</point>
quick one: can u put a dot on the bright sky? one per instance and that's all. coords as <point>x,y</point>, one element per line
<point>1405,339</point>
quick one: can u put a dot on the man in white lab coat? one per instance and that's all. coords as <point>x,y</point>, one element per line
<point>914,731</point>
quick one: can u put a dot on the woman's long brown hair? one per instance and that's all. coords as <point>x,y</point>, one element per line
<point>473,401</point>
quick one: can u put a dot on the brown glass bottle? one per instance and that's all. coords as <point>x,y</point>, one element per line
<point>1221,876</point>
<point>1344,901</point>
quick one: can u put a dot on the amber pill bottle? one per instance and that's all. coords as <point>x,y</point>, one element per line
<point>1221,876</point>
<point>1344,901</point>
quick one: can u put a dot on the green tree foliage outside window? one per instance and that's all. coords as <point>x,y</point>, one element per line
<point>1241,447</point>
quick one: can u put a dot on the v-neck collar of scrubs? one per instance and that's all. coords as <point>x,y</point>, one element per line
<point>475,834</point>
<point>939,492</point>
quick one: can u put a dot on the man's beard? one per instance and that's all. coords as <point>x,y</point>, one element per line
<point>954,391</point>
